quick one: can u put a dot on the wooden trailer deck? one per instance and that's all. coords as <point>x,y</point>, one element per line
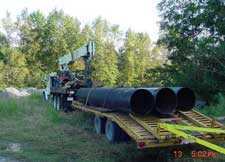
<point>178,129</point>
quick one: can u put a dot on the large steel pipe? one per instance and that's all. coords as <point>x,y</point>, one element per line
<point>138,101</point>
<point>165,100</point>
<point>185,98</point>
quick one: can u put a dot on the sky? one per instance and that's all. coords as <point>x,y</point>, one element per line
<point>138,15</point>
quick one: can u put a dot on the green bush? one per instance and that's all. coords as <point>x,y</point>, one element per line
<point>217,108</point>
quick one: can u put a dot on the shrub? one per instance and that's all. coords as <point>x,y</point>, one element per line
<point>217,108</point>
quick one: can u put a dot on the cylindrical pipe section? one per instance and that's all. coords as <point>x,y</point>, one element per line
<point>165,100</point>
<point>185,98</point>
<point>138,101</point>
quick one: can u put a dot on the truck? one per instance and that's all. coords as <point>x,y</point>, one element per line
<point>182,128</point>
<point>62,85</point>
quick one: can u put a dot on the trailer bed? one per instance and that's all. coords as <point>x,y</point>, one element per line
<point>145,130</point>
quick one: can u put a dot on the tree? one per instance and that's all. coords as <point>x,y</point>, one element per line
<point>128,73</point>
<point>11,30</point>
<point>34,42</point>
<point>44,39</point>
<point>14,71</point>
<point>104,65</point>
<point>136,58</point>
<point>32,34</point>
<point>62,37</point>
<point>4,44</point>
<point>3,41</point>
<point>193,31</point>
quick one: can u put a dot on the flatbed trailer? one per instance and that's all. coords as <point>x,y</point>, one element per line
<point>62,98</point>
<point>191,127</point>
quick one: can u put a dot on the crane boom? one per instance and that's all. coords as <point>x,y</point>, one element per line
<point>64,81</point>
<point>86,51</point>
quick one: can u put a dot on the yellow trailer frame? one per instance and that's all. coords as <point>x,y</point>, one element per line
<point>178,129</point>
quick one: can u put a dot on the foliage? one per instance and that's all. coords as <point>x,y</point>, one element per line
<point>190,50</point>
<point>217,108</point>
<point>138,56</point>
<point>44,39</point>
<point>13,69</point>
<point>193,32</point>
<point>31,45</point>
<point>104,65</point>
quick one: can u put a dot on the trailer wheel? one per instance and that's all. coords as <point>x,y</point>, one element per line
<point>112,131</point>
<point>58,103</point>
<point>54,98</point>
<point>99,123</point>
<point>124,136</point>
<point>45,96</point>
<point>65,105</point>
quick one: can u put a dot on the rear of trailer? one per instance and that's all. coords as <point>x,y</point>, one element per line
<point>179,129</point>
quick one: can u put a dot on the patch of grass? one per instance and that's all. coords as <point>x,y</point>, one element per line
<point>8,108</point>
<point>47,135</point>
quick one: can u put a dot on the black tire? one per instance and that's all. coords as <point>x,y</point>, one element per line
<point>54,101</point>
<point>58,103</point>
<point>124,136</point>
<point>44,96</point>
<point>66,106</point>
<point>99,124</point>
<point>112,131</point>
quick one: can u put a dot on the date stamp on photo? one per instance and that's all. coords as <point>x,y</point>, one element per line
<point>177,154</point>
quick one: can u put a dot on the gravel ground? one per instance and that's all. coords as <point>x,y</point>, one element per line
<point>17,93</point>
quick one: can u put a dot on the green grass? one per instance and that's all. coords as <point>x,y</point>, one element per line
<point>47,135</point>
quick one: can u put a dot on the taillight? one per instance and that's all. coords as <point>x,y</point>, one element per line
<point>141,145</point>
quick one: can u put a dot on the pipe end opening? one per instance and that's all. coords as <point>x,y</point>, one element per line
<point>185,99</point>
<point>142,102</point>
<point>166,101</point>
